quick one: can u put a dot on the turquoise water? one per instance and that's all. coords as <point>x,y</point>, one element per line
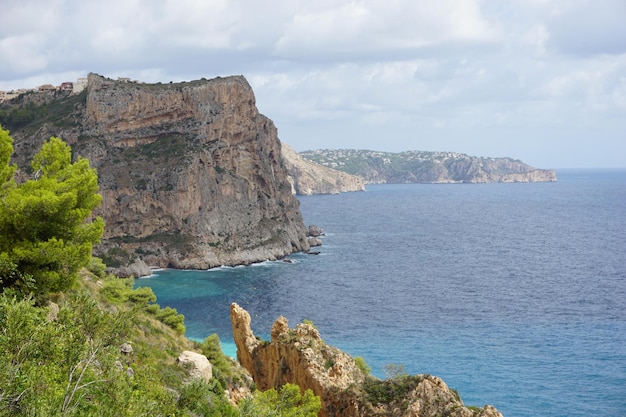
<point>514,294</point>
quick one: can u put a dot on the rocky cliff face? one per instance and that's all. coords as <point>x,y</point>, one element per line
<point>191,174</point>
<point>309,177</point>
<point>299,356</point>
<point>427,167</point>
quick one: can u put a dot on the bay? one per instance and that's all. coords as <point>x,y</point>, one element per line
<point>514,294</point>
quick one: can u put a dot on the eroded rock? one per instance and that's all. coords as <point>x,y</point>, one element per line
<point>300,356</point>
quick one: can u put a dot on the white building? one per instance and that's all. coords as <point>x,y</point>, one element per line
<point>79,85</point>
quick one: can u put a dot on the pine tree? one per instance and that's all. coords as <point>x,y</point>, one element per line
<point>46,227</point>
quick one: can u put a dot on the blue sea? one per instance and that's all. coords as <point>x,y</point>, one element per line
<point>514,294</point>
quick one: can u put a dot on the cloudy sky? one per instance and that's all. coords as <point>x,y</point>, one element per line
<point>539,80</point>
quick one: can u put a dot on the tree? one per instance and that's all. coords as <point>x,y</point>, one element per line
<point>7,171</point>
<point>46,227</point>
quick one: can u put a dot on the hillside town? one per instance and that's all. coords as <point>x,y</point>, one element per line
<point>73,87</point>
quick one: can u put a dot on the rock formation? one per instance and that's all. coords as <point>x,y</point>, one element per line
<point>299,356</point>
<point>308,177</point>
<point>190,173</point>
<point>198,365</point>
<point>427,167</point>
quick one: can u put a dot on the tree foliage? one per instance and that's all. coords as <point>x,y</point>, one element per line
<point>46,227</point>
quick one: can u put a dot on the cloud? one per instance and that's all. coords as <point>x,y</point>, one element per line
<point>351,29</point>
<point>589,28</point>
<point>457,75</point>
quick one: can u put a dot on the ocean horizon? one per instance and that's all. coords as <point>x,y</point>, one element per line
<point>513,294</point>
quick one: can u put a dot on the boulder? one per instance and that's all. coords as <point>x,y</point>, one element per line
<point>197,364</point>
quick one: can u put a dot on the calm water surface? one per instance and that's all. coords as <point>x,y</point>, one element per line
<point>514,294</point>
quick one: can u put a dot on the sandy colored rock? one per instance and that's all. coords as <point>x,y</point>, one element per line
<point>197,364</point>
<point>311,178</point>
<point>300,356</point>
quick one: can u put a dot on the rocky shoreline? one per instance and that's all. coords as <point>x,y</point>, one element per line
<point>300,356</point>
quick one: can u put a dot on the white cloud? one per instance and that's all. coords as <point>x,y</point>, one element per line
<point>25,53</point>
<point>451,74</point>
<point>352,28</point>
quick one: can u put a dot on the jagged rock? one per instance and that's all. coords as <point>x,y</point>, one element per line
<point>137,269</point>
<point>308,177</point>
<point>198,365</point>
<point>191,174</point>
<point>315,231</point>
<point>315,241</point>
<point>299,356</point>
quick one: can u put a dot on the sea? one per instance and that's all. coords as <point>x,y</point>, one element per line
<point>513,294</point>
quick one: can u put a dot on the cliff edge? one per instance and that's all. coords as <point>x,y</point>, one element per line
<point>308,177</point>
<point>299,356</point>
<point>191,173</point>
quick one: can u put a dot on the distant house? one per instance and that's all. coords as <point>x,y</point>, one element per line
<point>79,85</point>
<point>123,79</point>
<point>46,87</point>
<point>66,86</point>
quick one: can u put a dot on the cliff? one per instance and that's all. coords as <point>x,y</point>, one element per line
<point>299,356</point>
<point>191,174</point>
<point>309,177</point>
<point>427,167</point>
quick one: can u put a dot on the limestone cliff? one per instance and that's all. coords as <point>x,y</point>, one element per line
<point>299,356</point>
<point>427,167</point>
<point>191,174</point>
<point>309,177</point>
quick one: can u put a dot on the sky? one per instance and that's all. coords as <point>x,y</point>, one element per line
<point>543,81</point>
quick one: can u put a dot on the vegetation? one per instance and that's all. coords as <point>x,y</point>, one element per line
<point>362,365</point>
<point>101,348</point>
<point>287,402</point>
<point>46,230</point>
<point>391,389</point>
<point>32,115</point>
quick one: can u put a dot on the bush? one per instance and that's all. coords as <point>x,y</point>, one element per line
<point>172,318</point>
<point>142,296</point>
<point>362,365</point>
<point>212,349</point>
<point>205,399</point>
<point>287,402</point>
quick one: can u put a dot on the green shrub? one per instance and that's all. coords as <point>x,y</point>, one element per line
<point>287,402</point>
<point>97,267</point>
<point>362,365</point>
<point>390,390</point>
<point>212,349</point>
<point>170,317</point>
<point>205,399</point>
<point>142,296</point>
<point>116,290</point>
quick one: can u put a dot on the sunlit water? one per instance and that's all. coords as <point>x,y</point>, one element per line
<point>514,294</point>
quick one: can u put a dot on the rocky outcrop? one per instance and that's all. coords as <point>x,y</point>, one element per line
<point>299,356</point>
<point>191,174</point>
<point>308,177</point>
<point>427,167</point>
<point>197,364</point>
